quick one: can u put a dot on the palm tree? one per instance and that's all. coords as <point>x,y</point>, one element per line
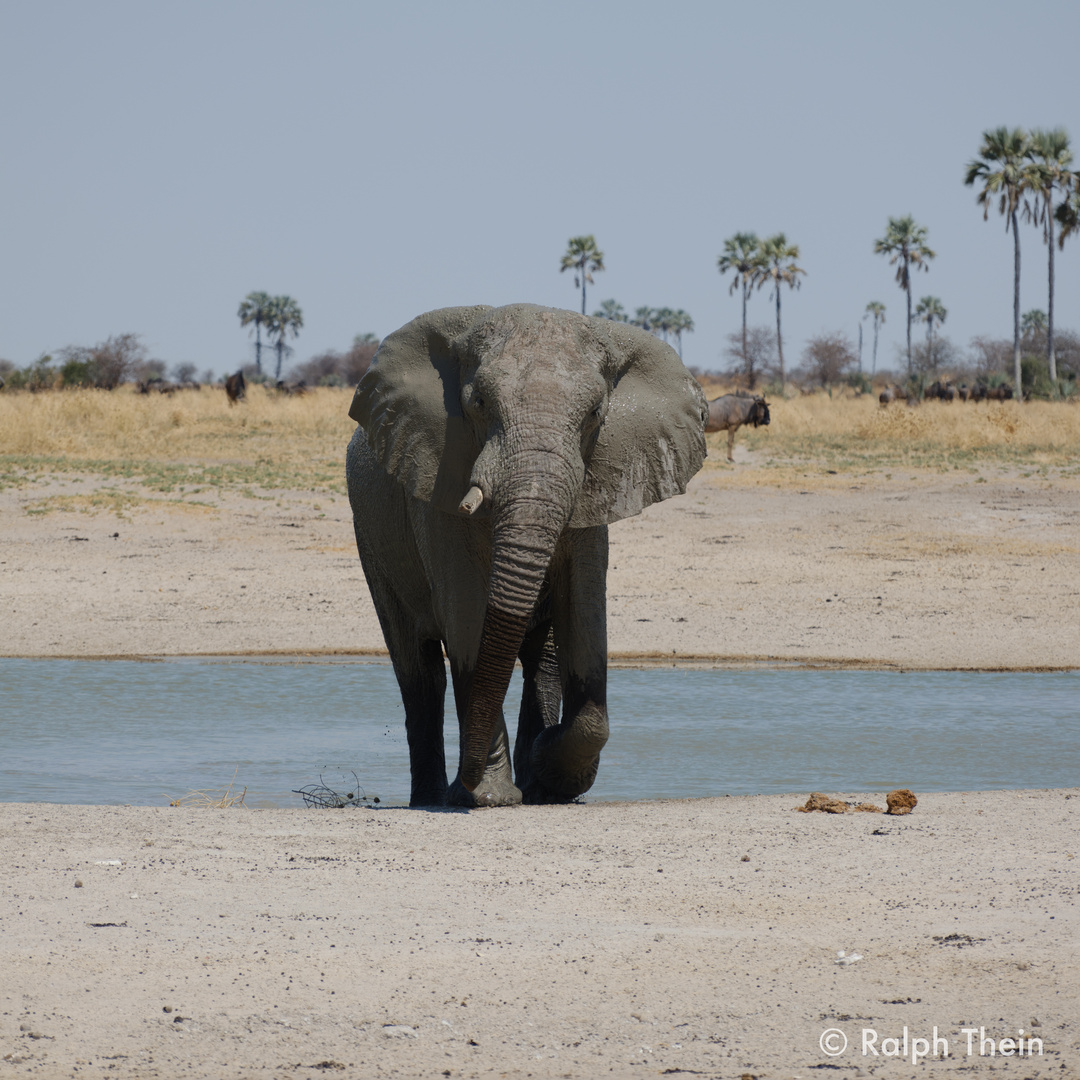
<point>583,257</point>
<point>255,308</point>
<point>906,243</point>
<point>1033,323</point>
<point>778,268</point>
<point>742,255</point>
<point>930,309</point>
<point>663,320</point>
<point>1005,172</point>
<point>613,310</point>
<point>1068,213</point>
<point>875,310</point>
<point>681,323</point>
<point>643,317</point>
<point>1050,153</point>
<point>285,319</point>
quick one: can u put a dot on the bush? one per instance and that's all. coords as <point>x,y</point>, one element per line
<point>760,355</point>
<point>827,357</point>
<point>105,365</point>
<point>1035,377</point>
<point>146,370</point>
<point>859,380</point>
<point>40,375</point>
<point>333,368</point>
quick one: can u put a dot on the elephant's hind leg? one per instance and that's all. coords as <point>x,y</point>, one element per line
<point>541,699</point>
<point>422,679</point>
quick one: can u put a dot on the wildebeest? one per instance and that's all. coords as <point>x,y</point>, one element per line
<point>157,385</point>
<point>235,388</point>
<point>289,389</point>
<point>892,393</point>
<point>943,390</point>
<point>729,413</point>
<point>1004,392</point>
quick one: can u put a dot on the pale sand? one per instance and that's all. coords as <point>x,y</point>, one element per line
<point>619,939</point>
<point>922,570</point>
<point>625,940</point>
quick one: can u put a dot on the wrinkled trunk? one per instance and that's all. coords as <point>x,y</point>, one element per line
<point>525,531</point>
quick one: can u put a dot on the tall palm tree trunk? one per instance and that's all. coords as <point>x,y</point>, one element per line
<point>908,290</point>
<point>1051,360</point>
<point>744,322</point>
<point>779,341</point>
<point>873,370</point>
<point>1017,389</point>
<point>258,349</point>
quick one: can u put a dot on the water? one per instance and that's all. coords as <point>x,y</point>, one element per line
<point>114,732</point>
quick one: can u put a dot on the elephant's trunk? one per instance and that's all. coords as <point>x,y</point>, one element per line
<point>525,530</point>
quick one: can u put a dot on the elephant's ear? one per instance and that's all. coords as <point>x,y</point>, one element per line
<point>652,440</point>
<point>409,404</point>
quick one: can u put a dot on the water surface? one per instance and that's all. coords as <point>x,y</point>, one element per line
<point>113,732</point>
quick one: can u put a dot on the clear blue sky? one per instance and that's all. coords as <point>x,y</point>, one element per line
<point>161,160</point>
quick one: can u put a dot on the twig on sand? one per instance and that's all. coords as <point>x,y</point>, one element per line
<point>323,797</point>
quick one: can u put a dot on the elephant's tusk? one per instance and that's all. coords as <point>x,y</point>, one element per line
<point>473,498</point>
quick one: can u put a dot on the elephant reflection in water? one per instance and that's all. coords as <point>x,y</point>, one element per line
<point>494,447</point>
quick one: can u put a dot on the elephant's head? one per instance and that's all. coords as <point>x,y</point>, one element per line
<point>545,419</point>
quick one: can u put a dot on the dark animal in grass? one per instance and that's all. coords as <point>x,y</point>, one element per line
<point>296,389</point>
<point>730,412</point>
<point>999,393</point>
<point>235,388</point>
<point>943,390</point>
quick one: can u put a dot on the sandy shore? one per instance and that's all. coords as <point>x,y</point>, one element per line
<point>625,940</point>
<point>927,570</point>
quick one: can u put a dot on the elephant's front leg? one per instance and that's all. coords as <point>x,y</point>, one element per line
<point>497,787</point>
<point>565,757</point>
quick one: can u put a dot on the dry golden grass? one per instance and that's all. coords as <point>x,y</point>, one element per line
<point>208,800</point>
<point>192,437</point>
<point>857,432</point>
<point>194,441</point>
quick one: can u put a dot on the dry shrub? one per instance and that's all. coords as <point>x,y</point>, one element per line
<point>205,800</point>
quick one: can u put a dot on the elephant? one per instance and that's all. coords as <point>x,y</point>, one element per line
<point>493,447</point>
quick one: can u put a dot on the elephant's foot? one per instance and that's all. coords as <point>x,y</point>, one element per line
<point>495,789</point>
<point>432,797</point>
<point>564,759</point>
